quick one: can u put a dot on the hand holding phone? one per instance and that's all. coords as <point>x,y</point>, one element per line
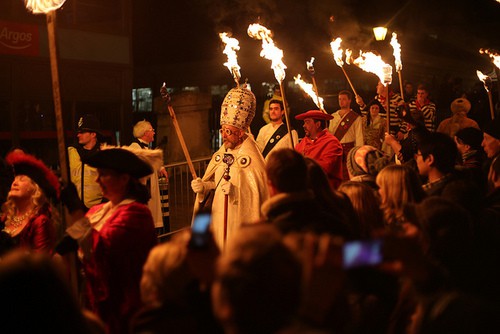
<point>361,253</point>
<point>200,230</point>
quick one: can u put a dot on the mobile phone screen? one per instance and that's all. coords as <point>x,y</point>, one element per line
<point>362,253</point>
<point>200,230</point>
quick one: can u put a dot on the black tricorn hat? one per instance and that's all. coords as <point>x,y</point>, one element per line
<point>120,160</point>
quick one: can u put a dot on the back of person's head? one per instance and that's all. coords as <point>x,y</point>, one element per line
<point>366,205</point>
<point>258,282</point>
<point>448,230</point>
<point>287,171</point>
<point>399,183</point>
<point>443,149</point>
<point>166,274</point>
<point>34,297</point>
<point>470,136</point>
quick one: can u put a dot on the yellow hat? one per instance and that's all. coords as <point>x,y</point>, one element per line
<point>238,108</point>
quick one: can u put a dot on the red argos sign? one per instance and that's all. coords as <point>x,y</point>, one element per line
<point>19,39</point>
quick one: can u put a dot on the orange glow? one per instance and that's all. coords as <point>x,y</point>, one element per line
<point>493,55</point>
<point>485,79</point>
<point>269,50</point>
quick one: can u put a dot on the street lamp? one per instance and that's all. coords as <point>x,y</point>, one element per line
<point>380,33</point>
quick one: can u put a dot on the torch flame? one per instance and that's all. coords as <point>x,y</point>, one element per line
<point>373,63</point>
<point>348,56</point>
<point>269,50</point>
<point>485,79</point>
<point>43,6</point>
<point>493,55</point>
<point>309,89</point>
<point>337,51</point>
<point>232,45</point>
<point>310,65</point>
<point>397,52</point>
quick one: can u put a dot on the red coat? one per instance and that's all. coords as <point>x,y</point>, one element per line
<point>326,150</point>
<point>113,272</point>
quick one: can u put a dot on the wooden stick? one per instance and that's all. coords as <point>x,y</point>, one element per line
<point>226,203</point>
<point>349,81</point>
<point>70,258</point>
<point>388,111</point>
<point>287,118</point>
<point>492,108</point>
<point>401,85</point>
<point>181,140</point>
<point>51,18</point>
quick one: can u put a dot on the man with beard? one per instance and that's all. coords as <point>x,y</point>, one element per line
<point>235,176</point>
<point>321,145</point>
<point>274,135</point>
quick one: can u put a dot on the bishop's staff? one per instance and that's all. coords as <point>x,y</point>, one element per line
<point>166,97</point>
<point>273,53</point>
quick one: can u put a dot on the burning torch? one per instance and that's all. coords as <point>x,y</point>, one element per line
<point>487,85</point>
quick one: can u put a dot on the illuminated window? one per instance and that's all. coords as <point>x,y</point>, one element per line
<point>142,100</point>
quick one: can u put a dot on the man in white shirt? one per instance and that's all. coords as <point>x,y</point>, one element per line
<point>274,135</point>
<point>347,126</point>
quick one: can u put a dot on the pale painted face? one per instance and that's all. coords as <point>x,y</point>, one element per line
<point>374,110</point>
<point>22,187</point>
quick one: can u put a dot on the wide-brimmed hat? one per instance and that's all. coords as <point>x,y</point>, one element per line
<point>314,114</point>
<point>460,105</point>
<point>26,164</point>
<point>238,108</point>
<point>121,160</point>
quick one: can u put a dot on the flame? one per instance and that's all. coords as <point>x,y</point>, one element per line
<point>485,79</point>
<point>493,55</point>
<point>269,50</point>
<point>232,45</point>
<point>337,51</point>
<point>348,56</point>
<point>308,88</point>
<point>397,52</point>
<point>43,6</point>
<point>310,65</point>
<point>373,63</point>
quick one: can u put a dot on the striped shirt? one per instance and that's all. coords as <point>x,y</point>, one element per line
<point>425,113</point>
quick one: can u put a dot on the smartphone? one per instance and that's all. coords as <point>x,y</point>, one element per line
<point>361,253</point>
<point>200,230</point>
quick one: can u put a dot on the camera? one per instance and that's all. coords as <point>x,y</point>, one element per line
<point>361,253</point>
<point>200,230</point>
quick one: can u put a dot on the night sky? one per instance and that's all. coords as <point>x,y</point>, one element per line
<point>184,31</point>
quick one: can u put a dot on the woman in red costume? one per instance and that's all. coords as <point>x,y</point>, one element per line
<point>28,215</point>
<point>115,238</point>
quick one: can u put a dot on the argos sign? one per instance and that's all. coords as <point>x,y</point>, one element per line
<point>19,39</point>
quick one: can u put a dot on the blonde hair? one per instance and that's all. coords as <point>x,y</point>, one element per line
<point>40,202</point>
<point>140,128</point>
<point>398,186</point>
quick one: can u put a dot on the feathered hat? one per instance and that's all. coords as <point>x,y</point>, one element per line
<point>26,164</point>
